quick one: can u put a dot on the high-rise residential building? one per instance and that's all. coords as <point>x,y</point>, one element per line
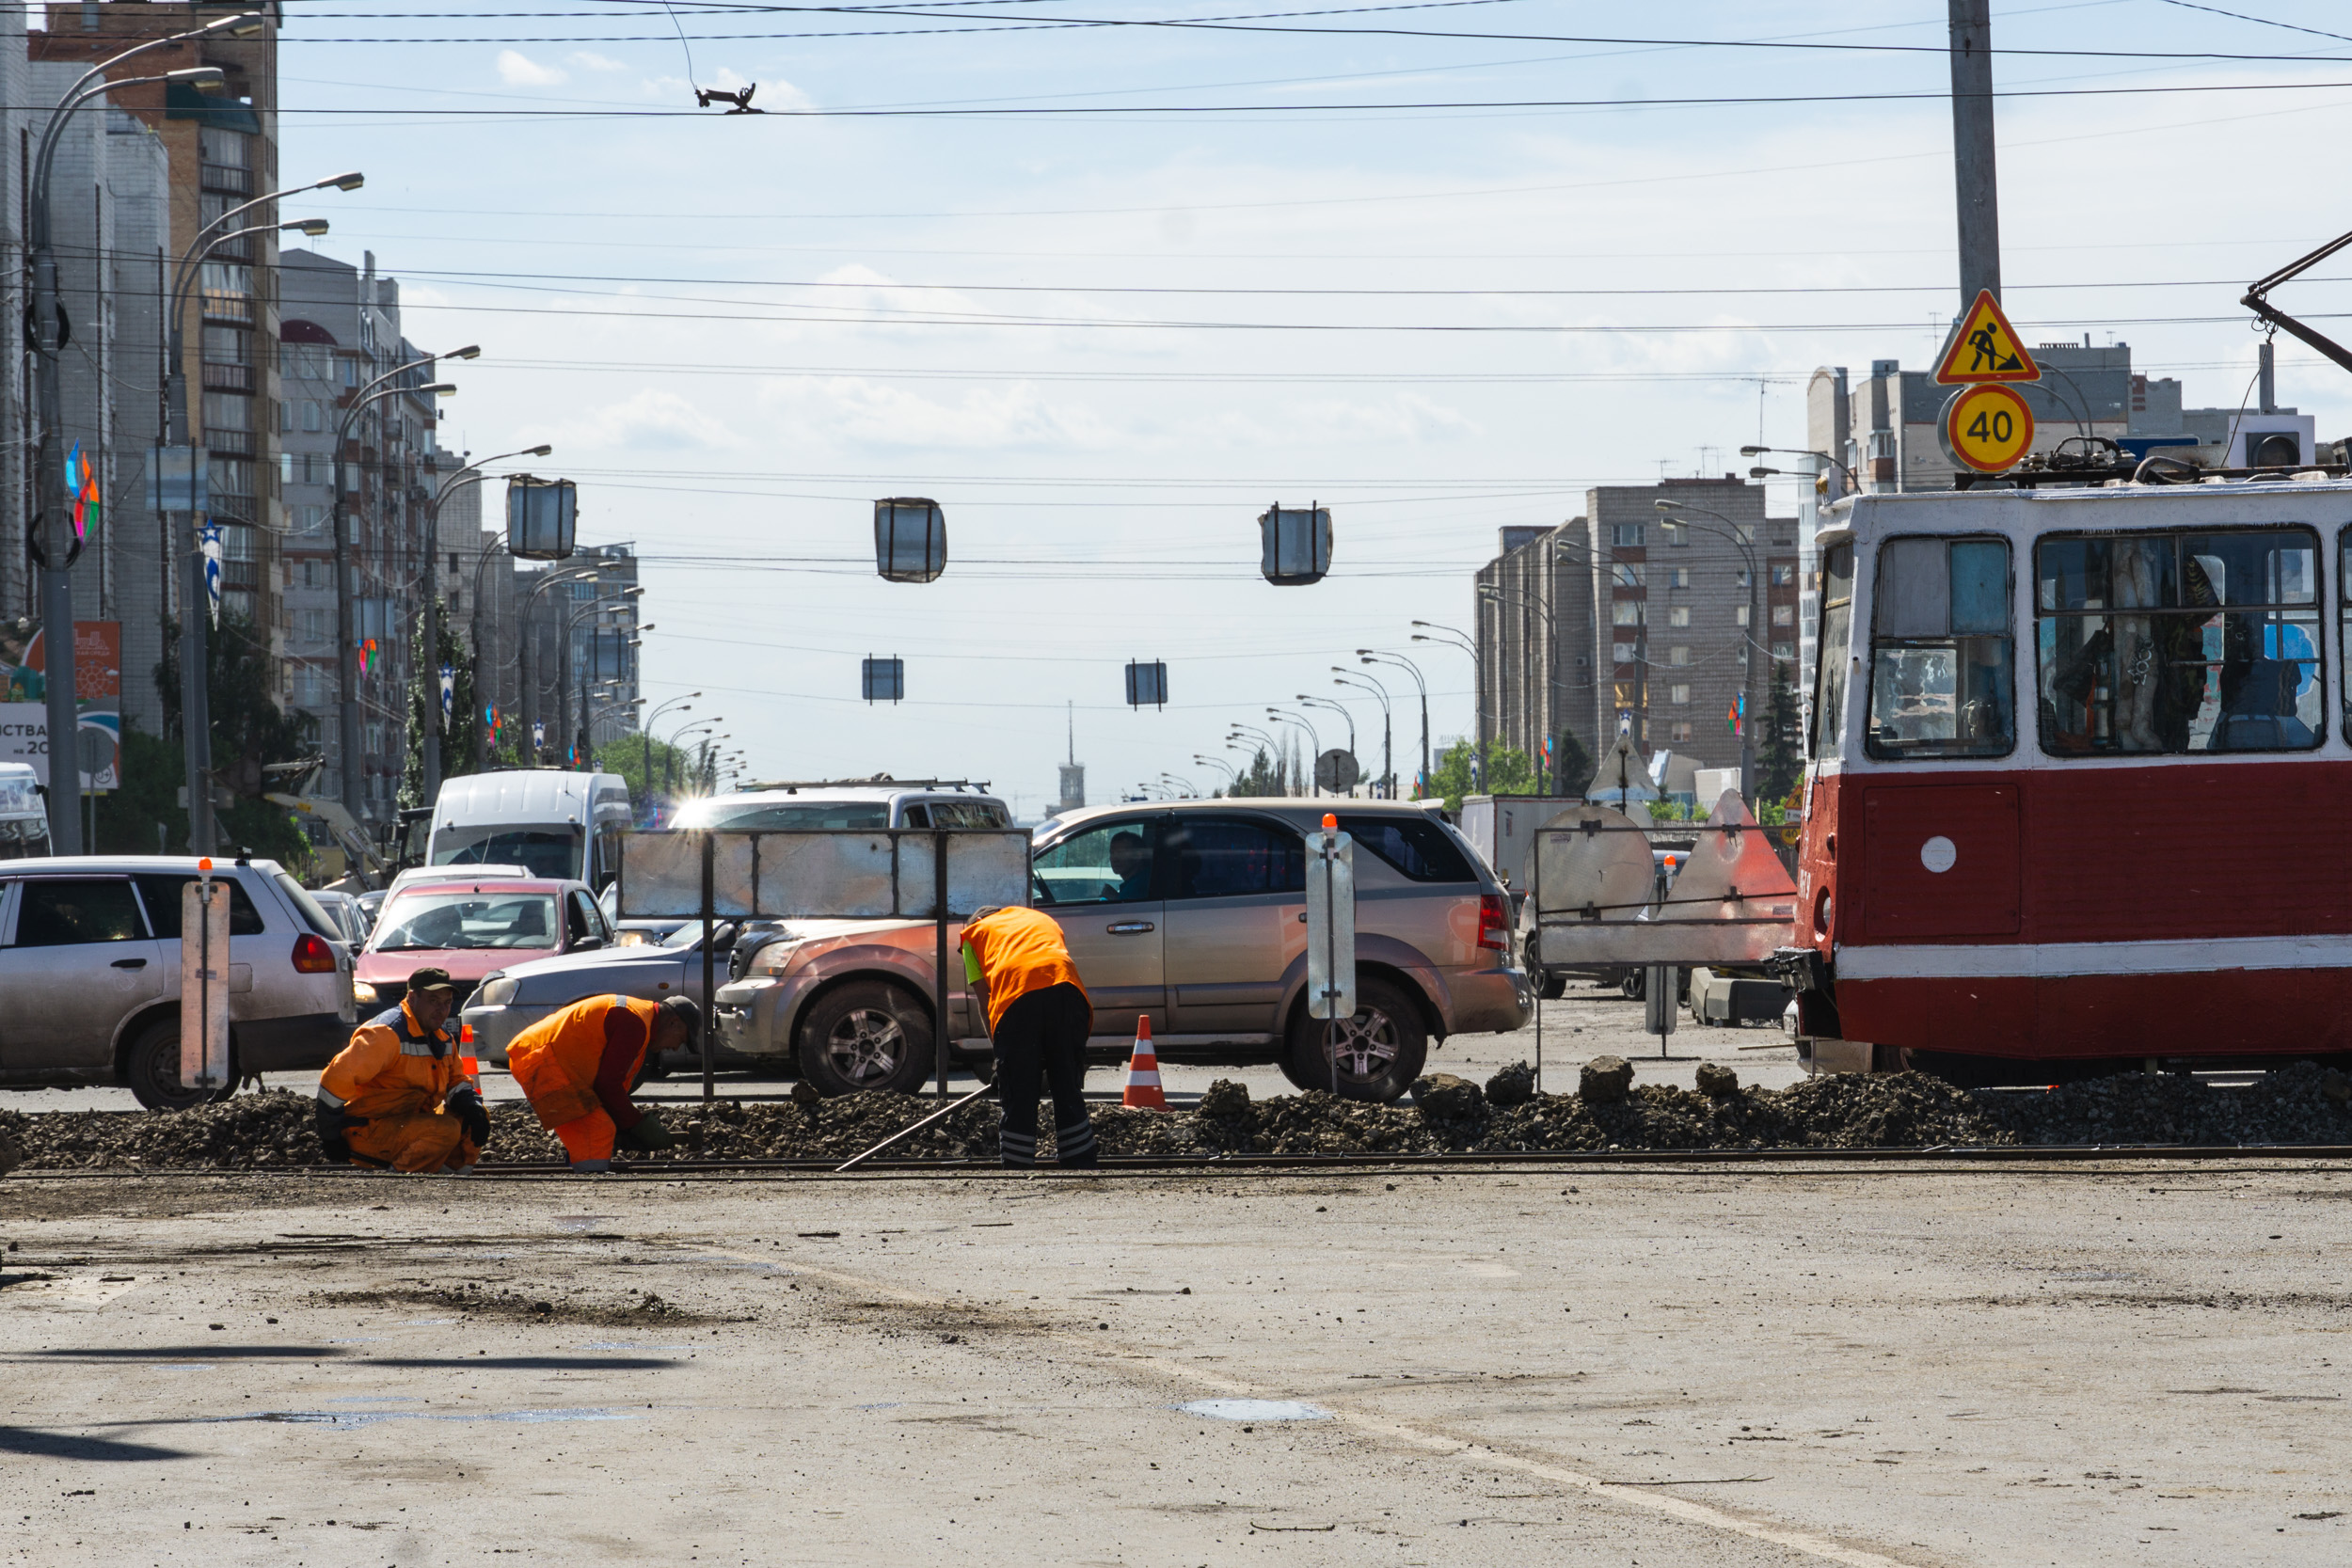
<point>1633,615</point>
<point>219,151</point>
<point>340,333</point>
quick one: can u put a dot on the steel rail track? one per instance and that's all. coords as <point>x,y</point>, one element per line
<point>1934,1160</point>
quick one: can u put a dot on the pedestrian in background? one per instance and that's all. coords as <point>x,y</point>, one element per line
<point>1018,968</point>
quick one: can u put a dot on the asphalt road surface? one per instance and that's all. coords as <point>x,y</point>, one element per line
<point>1931,1366</point>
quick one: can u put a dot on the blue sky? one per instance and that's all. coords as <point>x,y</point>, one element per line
<point>739,331</point>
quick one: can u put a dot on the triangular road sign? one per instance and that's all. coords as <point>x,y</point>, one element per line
<point>1984,347</point>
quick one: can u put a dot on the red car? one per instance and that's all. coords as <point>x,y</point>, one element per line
<point>470,926</point>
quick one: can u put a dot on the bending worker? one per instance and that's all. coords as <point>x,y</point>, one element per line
<point>1017,967</point>
<point>397,1096</point>
<point>578,1067</point>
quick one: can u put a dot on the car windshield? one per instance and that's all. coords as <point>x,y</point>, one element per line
<point>541,852</point>
<point>461,920</point>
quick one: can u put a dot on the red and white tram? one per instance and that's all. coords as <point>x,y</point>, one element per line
<point>2079,777</point>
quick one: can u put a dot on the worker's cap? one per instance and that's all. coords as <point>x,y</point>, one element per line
<point>683,1010</point>
<point>432,978</point>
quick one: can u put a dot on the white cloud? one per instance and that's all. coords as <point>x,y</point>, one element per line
<point>876,414</point>
<point>588,60</point>
<point>652,419</point>
<point>518,69</point>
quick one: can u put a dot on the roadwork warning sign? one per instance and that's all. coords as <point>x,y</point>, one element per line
<point>1984,348</point>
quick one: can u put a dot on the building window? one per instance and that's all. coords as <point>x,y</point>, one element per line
<point>1626,613</point>
<point>1740,577</point>
<point>1678,655</point>
<point>1680,730</point>
<point>1784,577</point>
<point>1677,536</point>
<point>1626,574</point>
<point>1678,694</point>
<point>1746,532</point>
<point>1625,534</point>
<point>1784,615</point>
<point>1626,652</point>
<point>1743,615</point>
<point>1677,577</point>
<point>1783,650</point>
<point>1678,617</point>
<point>312,417</point>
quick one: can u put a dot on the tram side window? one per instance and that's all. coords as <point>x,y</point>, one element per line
<point>2174,642</point>
<point>1941,680</point>
<point>1829,695</point>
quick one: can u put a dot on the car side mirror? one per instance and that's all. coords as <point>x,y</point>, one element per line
<point>586,943</point>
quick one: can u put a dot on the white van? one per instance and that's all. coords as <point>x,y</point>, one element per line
<point>547,820</point>
<point>23,813</point>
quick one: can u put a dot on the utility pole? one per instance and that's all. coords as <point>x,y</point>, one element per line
<point>1975,181</point>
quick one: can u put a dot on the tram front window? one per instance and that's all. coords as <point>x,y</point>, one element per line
<point>2174,642</point>
<point>1941,683</point>
<point>1829,696</point>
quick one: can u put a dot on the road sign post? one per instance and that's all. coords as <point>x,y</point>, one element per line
<point>1331,935</point>
<point>204,982</point>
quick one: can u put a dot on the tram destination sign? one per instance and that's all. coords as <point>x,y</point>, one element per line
<point>1985,349</point>
<point>1987,428</point>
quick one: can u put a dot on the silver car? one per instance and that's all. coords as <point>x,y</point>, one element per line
<point>1191,913</point>
<point>511,999</point>
<point>89,975</point>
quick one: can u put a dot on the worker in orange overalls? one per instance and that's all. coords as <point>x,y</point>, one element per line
<point>579,1066</point>
<point>398,1095</point>
<point>1017,964</point>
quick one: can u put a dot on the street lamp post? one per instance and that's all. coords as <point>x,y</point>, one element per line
<point>1388,764</point>
<point>1455,638</point>
<point>347,656</point>
<point>1340,708</point>
<point>1315,744</point>
<point>563,691</point>
<point>196,722</point>
<point>1755,617</point>
<point>471,474</point>
<point>528,644</point>
<point>1374,655</point>
<point>55,515</point>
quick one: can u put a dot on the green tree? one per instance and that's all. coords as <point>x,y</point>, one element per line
<point>250,731</point>
<point>1507,771</point>
<point>465,717</point>
<point>1780,749</point>
<point>651,767</point>
<point>1572,765</point>
<point>152,771</point>
<point>1263,777</point>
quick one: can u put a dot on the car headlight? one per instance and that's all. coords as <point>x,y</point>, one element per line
<point>363,991</point>
<point>775,959</point>
<point>496,991</point>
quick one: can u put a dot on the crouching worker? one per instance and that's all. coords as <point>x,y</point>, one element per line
<point>578,1067</point>
<point>397,1096</point>
<point>1018,966</point>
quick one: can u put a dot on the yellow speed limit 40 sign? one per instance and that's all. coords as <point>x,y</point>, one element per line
<point>1987,428</point>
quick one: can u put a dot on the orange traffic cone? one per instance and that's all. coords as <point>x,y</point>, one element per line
<point>1143,1070</point>
<point>468,1064</point>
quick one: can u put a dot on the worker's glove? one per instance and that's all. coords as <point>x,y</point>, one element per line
<point>464,1103</point>
<point>334,1126</point>
<point>650,1135</point>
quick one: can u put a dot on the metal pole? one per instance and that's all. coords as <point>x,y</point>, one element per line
<point>56,532</point>
<point>939,973</point>
<point>710,994</point>
<point>196,719</point>
<point>1974,178</point>
<point>432,762</point>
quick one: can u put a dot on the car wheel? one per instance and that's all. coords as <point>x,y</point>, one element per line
<point>153,1072</point>
<point>1381,1050</point>
<point>868,1036</point>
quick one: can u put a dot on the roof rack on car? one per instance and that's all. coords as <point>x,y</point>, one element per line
<point>857,784</point>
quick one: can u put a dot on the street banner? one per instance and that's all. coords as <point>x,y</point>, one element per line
<point>98,680</point>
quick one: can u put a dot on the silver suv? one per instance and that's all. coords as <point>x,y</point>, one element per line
<point>89,975</point>
<point>1192,914</point>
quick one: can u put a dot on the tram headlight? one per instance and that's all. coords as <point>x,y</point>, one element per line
<point>1820,913</point>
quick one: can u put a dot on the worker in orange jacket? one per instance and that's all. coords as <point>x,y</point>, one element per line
<point>398,1095</point>
<point>577,1067</point>
<point>1016,963</point>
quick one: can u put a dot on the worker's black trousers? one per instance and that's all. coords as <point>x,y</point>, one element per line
<point>1045,1034</point>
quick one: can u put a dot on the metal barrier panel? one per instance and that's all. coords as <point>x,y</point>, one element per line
<point>1594,901</point>
<point>825,874</point>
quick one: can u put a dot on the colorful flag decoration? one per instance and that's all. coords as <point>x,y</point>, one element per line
<point>80,486</point>
<point>208,539</point>
<point>1735,716</point>
<point>448,691</point>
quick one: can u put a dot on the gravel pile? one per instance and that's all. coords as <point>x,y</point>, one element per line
<point>1447,1115</point>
